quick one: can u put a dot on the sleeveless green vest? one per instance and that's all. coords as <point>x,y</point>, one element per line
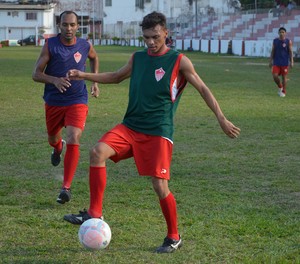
<point>154,93</point>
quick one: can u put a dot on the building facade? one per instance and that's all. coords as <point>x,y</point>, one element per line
<point>19,21</point>
<point>121,18</point>
<point>101,18</point>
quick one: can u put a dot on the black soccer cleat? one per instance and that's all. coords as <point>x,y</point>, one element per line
<point>79,218</point>
<point>64,196</point>
<point>56,157</point>
<point>169,245</point>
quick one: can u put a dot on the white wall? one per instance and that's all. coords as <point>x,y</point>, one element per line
<point>122,10</point>
<point>224,46</point>
<point>204,45</point>
<point>123,14</point>
<point>126,11</point>
<point>14,25</point>
<point>258,48</point>
<point>214,46</point>
<point>237,47</point>
<point>253,48</point>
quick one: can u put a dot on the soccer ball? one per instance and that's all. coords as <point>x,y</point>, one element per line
<point>94,234</point>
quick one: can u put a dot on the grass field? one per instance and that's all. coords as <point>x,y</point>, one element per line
<point>238,200</point>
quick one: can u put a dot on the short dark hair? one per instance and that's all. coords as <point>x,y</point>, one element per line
<point>153,19</point>
<point>68,12</point>
<point>281,28</point>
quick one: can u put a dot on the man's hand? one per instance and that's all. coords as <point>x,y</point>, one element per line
<point>95,90</point>
<point>229,129</point>
<point>62,83</point>
<point>75,75</point>
<point>270,64</point>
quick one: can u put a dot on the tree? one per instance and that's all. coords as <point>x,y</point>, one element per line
<point>250,4</point>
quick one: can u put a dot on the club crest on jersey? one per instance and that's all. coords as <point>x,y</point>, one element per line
<point>159,74</point>
<point>77,56</point>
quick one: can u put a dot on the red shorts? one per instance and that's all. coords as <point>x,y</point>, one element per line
<point>58,117</point>
<point>280,70</point>
<point>152,154</point>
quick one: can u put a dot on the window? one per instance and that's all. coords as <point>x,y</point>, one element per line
<point>139,4</point>
<point>31,16</point>
<point>108,2</point>
<point>14,13</point>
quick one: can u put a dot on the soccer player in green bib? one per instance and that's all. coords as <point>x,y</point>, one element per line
<point>158,76</point>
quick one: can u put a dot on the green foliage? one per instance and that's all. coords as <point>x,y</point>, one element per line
<point>140,38</point>
<point>238,200</point>
<point>4,43</point>
<point>250,4</point>
<point>116,40</point>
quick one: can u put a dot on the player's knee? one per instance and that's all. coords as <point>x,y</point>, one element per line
<point>97,154</point>
<point>94,153</point>
<point>74,138</point>
<point>161,188</point>
<point>53,140</point>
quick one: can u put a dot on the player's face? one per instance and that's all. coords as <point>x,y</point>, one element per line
<point>155,39</point>
<point>68,27</point>
<point>281,34</point>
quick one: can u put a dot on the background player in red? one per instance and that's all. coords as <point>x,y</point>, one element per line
<point>280,60</point>
<point>158,77</point>
<point>65,100</point>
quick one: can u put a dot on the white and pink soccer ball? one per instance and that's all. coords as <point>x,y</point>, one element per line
<point>94,234</point>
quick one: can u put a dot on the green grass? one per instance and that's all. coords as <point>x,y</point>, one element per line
<point>238,200</point>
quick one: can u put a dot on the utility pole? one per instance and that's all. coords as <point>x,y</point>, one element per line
<point>196,18</point>
<point>93,22</point>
